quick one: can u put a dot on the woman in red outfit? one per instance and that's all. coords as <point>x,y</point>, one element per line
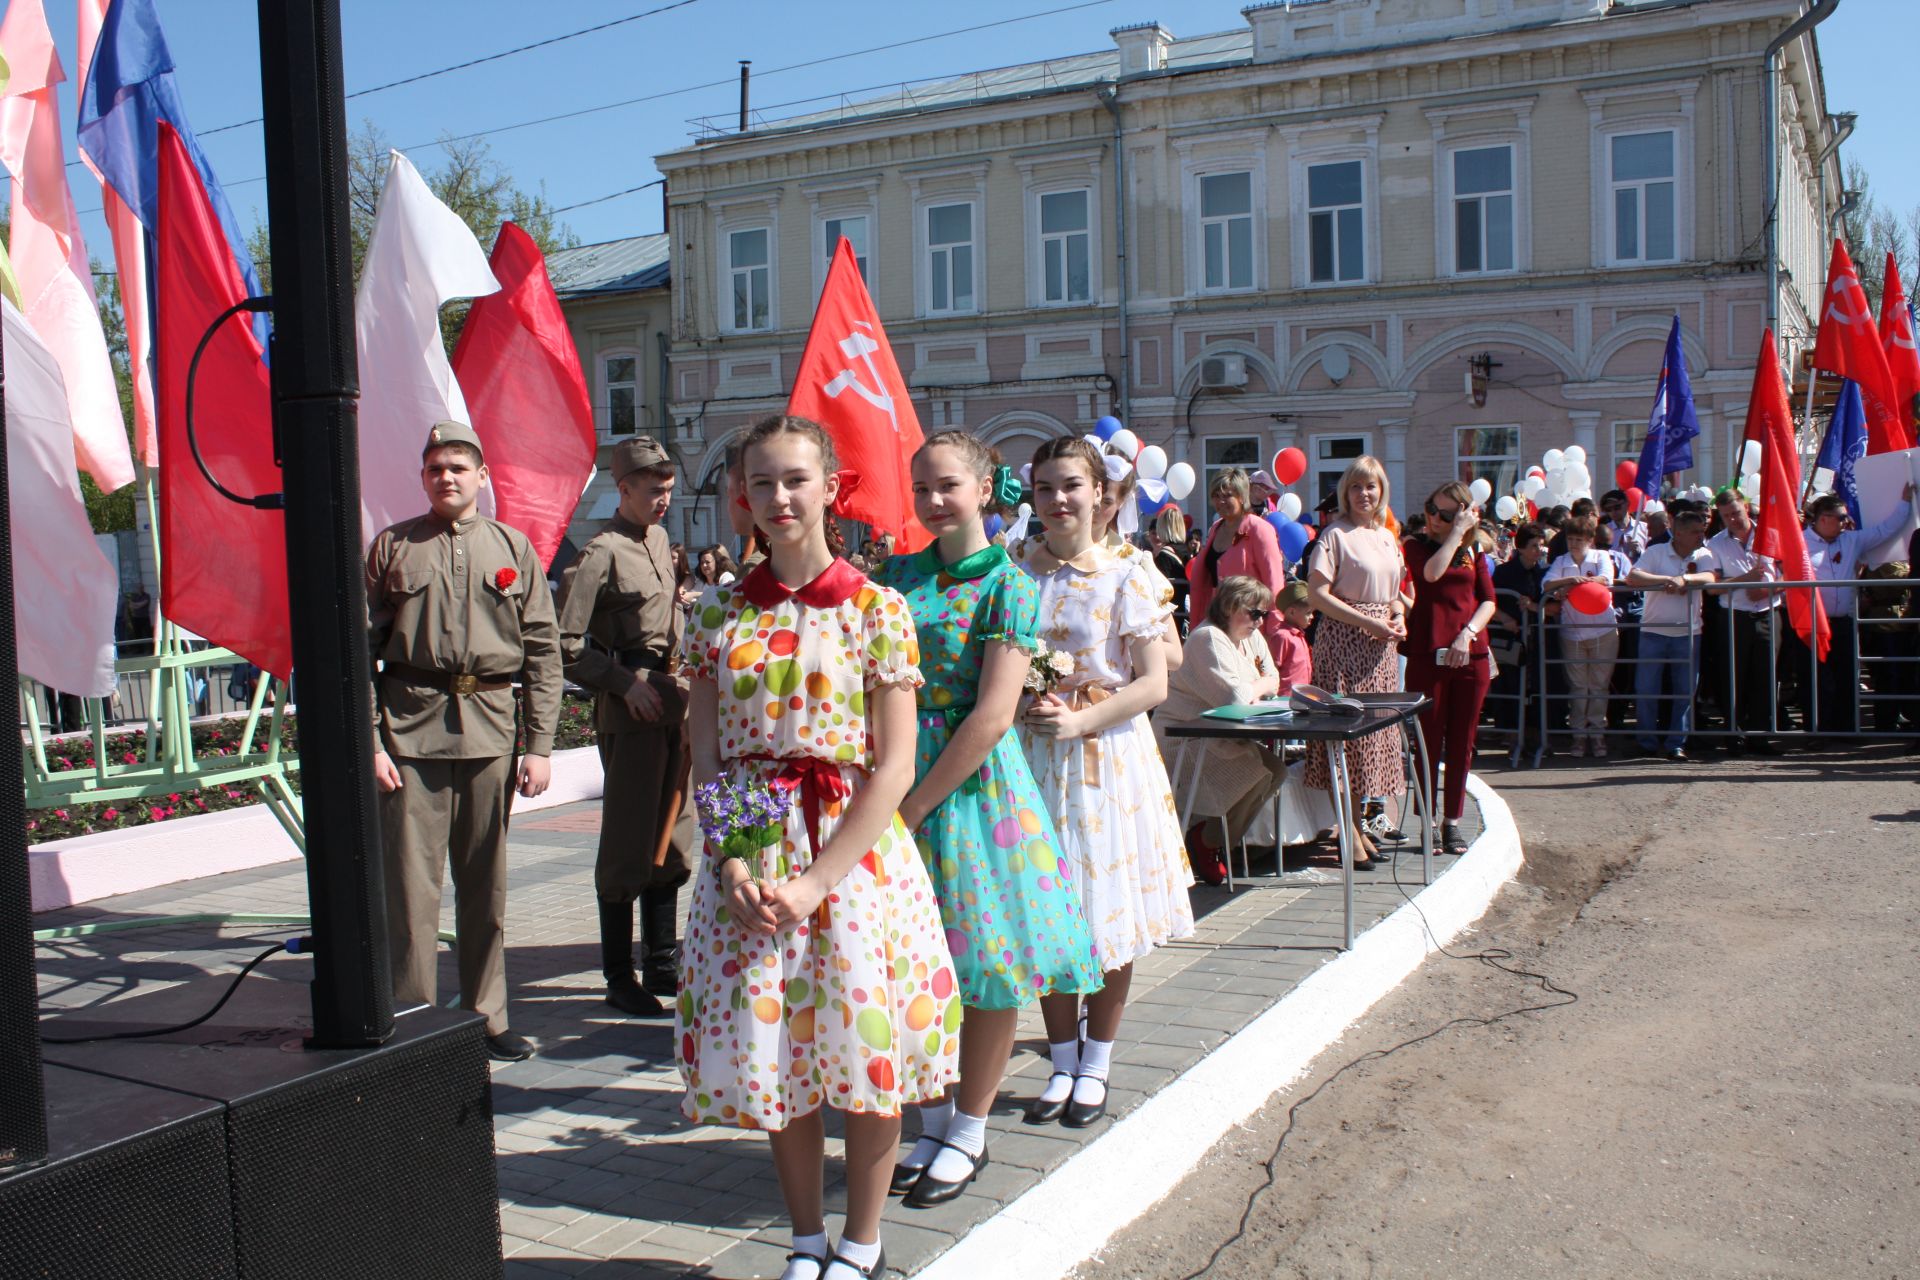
<point>1240,544</point>
<point>1448,658</point>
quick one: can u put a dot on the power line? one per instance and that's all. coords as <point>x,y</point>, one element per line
<point>581,204</point>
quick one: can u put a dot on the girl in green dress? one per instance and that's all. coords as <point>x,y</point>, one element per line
<point>1011,910</point>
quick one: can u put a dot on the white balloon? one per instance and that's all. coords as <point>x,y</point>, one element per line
<point>1573,453</point>
<point>1180,480</point>
<point>1482,489</point>
<point>1552,460</point>
<point>1750,486</point>
<point>1290,505</point>
<point>1749,457</point>
<point>1506,507</point>
<point>1152,463</point>
<point>1026,472</point>
<point>1124,443</point>
<point>1533,485</point>
<point>1578,477</point>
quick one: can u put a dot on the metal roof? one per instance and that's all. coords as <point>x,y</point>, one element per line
<point>613,266</point>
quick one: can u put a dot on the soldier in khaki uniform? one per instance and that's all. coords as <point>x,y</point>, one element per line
<point>620,623</point>
<point>457,607</point>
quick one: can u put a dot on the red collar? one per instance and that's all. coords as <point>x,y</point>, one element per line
<point>835,585</point>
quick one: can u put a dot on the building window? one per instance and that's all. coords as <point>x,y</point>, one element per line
<point>1331,457</point>
<point>854,228</point>
<point>620,377</point>
<point>1065,247</point>
<point>1226,231</point>
<point>1488,453</point>
<point>1223,452</point>
<point>1629,437</point>
<point>950,258</point>
<point>1483,209</point>
<point>750,268</point>
<point>1336,248</point>
<point>1640,168</point>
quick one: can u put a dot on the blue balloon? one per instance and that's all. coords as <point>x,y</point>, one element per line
<point>1148,507</point>
<point>1278,520</point>
<point>1293,541</point>
<point>993,524</point>
<point>1106,427</point>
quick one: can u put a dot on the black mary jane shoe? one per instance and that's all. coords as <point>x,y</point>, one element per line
<point>930,1191</point>
<point>1040,1111</point>
<point>849,1268</point>
<point>904,1178</point>
<point>820,1263</point>
<point>1082,1115</point>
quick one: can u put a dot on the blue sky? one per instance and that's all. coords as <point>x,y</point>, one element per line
<point>215,45</point>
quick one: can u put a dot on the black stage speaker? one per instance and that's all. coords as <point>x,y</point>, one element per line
<point>347,1164</point>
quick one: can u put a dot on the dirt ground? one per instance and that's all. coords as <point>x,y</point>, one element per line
<point>1736,1092</point>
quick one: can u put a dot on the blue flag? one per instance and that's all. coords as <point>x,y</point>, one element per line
<point>1672,425</point>
<point>1845,444</point>
<point>129,90</point>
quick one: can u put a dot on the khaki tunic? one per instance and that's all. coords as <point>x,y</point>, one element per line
<point>617,597</point>
<point>436,600</point>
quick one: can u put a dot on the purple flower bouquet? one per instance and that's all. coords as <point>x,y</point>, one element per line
<point>741,818</point>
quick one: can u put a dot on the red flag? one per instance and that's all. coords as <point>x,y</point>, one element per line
<point>849,384</point>
<point>526,396</point>
<point>1770,421</point>
<point>1896,338</point>
<point>1849,345</point>
<point>223,566</point>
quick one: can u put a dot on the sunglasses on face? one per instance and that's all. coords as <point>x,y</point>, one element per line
<point>1444,515</point>
<point>1258,615</point>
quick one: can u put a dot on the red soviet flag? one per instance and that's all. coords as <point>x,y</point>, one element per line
<point>849,384</point>
<point>1849,345</point>
<point>1770,421</point>
<point>223,566</point>
<point>527,398</point>
<point>1896,339</point>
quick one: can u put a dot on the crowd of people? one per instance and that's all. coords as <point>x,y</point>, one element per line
<point>931,788</point>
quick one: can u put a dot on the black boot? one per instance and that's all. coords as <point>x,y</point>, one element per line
<point>616,962</point>
<point>660,942</point>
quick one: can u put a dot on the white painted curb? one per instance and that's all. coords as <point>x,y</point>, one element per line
<point>1114,1179</point>
<point>87,868</point>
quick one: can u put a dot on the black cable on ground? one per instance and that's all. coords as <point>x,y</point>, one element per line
<point>232,987</point>
<point>1492,957</point>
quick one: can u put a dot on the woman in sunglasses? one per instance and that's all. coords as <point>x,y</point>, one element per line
<point>1448,657</point>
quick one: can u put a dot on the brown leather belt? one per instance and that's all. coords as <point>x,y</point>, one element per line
<point>646,660</point>
<point>461,684</point>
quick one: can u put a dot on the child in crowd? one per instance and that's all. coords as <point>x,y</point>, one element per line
<point>1292,656</point>
<point>816,969</point>
<point>1099,770</point>
<point>1589,641</point>
<point>1010,905</point>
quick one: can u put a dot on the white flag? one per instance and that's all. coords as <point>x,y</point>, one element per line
<point>420,256</point>
<point>64,591</point>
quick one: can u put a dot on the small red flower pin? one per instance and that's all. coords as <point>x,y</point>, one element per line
<point>504,578</point>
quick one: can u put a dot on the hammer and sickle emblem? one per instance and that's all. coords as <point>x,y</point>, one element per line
<point>859,347</point>
<point>1846,286</point>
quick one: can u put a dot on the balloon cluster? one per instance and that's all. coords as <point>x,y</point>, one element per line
<point>1159,483</point>
<point>1561,476</point>
<point>1288,466</point>
<point>1749,483</point>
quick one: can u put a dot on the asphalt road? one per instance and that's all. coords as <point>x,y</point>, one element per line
<point>1735,1093</point>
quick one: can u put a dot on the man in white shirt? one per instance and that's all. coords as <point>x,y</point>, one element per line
<point>1747,680</point>
<point>1629,534</point>
<point>1670,634</point>
<point>1835,551</point>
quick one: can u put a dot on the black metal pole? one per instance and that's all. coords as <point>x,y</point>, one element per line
<point>23,1099</point>
<point>315,427</point>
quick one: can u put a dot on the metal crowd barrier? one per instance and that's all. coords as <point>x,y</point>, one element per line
<point>1886,709</point>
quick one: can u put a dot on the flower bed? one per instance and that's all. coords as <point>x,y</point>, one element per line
<point>211,739</point>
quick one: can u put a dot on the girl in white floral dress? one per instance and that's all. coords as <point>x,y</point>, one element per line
<point>816,973</point>
<point>1098,766</point>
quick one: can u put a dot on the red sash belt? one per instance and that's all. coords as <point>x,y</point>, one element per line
<point>817,781</point>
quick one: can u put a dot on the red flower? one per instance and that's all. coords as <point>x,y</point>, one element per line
<point>504,579</point>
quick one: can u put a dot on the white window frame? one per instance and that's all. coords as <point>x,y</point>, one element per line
<point>1506,469</point>
<point>1042,238</point>
<point>931,188</point>
<point>936,266</point>
<point>1318,465</point>
<point>1334,145</point>
<point>1451,212</point>
<point>607,386</point>
<point>1641,187</point>
<point>1653,119</point>
<point>1332,213</point>
<point>1224,222</point>
<point>840,198</point>
<point>1054,172</point>
<point>864,258</point>
<point>727,228</point>
<point>1211,156</point>
<point>1636,440</point>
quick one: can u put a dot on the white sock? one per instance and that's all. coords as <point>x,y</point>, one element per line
<point>806,1268</point>
<point>1066,1061</point>
<point>969,1133</point>
<point>934,1119</point>
<point>860,1255</point>
<point>1091,1086</point>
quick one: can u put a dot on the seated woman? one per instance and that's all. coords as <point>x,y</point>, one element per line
<point>1226,663</point>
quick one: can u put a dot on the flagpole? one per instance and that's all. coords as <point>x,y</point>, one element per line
<point>1813,376</point>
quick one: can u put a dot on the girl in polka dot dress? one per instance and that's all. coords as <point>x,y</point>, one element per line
<point>817,973</point>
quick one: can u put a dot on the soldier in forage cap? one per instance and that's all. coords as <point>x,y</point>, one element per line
<point>620,624</point>
<point>457,609</point>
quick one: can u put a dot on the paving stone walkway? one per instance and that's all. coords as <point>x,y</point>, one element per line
<point>599,1175</point>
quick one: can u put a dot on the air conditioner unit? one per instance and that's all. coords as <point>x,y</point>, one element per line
<point>1223,371</point>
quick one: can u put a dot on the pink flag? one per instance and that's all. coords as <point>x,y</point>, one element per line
<point>49,257</point>
<point>130,257</point>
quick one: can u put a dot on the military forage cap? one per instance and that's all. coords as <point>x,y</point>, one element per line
<point>636,454</point>
<point>445,433</point>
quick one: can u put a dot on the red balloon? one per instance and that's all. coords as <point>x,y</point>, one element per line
<point>1635,499</point>
<point>1533,509</point>
<point>1289,465</point>
<point>1590,598</point>
<point>1625,474</point>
